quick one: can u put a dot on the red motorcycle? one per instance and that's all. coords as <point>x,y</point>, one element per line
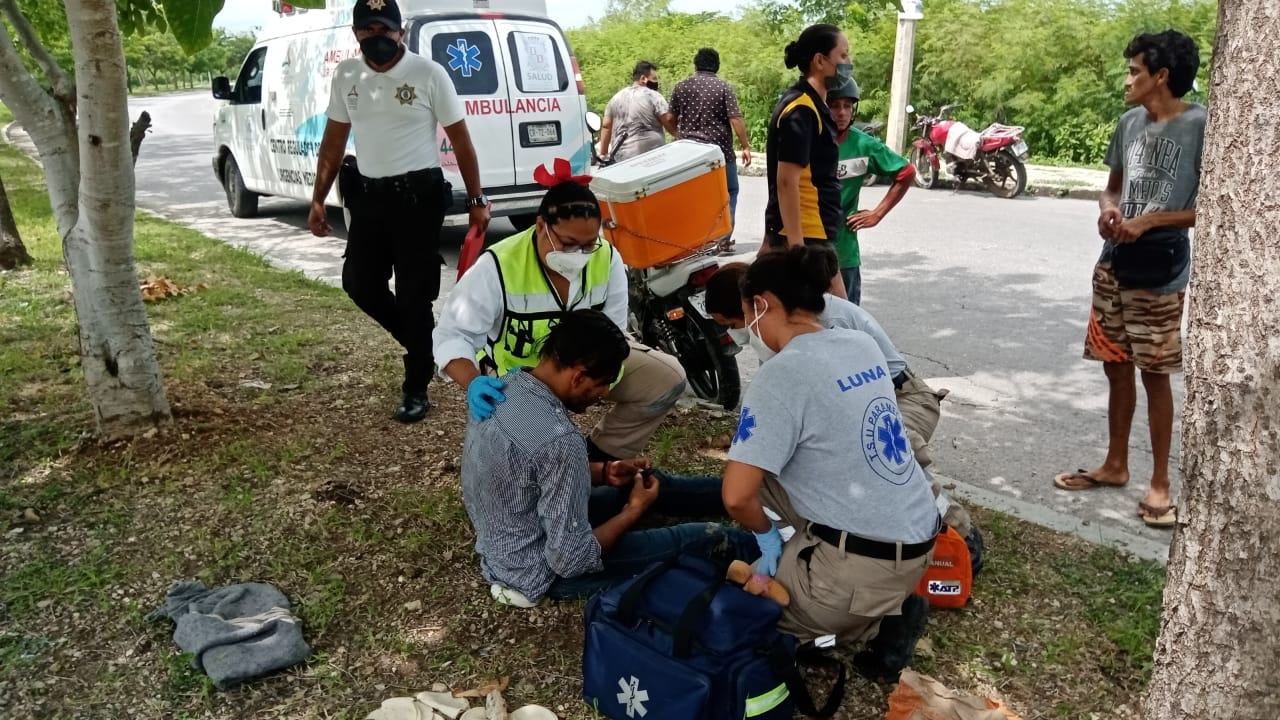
<point>995,157</point>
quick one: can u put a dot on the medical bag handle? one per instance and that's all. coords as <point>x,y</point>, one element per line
<point>682,635</point>
<point>630,599</point>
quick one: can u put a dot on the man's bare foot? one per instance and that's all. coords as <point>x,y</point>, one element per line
<point>1089,479</point>
<point>1154,502</point>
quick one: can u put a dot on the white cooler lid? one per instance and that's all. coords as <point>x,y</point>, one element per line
<point>658,169</point>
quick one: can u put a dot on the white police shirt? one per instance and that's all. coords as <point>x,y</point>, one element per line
<point>393,114</point>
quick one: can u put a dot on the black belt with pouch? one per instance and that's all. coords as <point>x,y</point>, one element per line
<point>420,188</point>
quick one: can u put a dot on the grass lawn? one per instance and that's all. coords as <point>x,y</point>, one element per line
<point>283,467</point>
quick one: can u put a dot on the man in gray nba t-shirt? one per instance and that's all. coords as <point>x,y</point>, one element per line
<point>1146,212</point>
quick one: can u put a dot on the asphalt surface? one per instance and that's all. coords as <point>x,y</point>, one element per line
<point>986,297</point>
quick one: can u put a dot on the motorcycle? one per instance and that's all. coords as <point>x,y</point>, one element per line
<point>995,157</point>
<point>667,310</point>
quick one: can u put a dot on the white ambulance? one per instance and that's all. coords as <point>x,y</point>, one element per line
<point>510,63</point>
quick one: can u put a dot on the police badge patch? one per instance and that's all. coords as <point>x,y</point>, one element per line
<point>377,4</point>
<point>406,94</point>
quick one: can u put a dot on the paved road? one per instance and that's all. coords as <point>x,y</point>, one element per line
<point>986,297</point>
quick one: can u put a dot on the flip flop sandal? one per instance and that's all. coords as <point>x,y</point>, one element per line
<point>1081,480</point>
<point>1158,517</point>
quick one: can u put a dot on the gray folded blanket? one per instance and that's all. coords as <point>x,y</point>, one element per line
<point>236,633</point>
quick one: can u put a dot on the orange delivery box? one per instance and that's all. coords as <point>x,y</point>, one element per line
<point>666,204</point>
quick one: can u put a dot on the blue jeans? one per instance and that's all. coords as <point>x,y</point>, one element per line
<point>731,176</point>
<point>852,277</point>
<point>638,549</point>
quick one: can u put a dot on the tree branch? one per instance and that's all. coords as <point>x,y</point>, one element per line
<point>64,88</point>
<point>18,89</point>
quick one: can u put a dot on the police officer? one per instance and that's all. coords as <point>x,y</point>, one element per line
<point>397,195</point>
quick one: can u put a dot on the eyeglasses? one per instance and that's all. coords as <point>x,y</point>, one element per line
<point>585,247</point>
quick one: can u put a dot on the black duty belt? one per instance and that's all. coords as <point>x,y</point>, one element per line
<point>406,183</point>
<point>870,548</point>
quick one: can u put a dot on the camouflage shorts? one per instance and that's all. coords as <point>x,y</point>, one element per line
<point>1136,326</point>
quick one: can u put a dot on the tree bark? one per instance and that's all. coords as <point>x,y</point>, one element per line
<point>117,354</point>
<point>12,252</point>
<point>1219,650</point>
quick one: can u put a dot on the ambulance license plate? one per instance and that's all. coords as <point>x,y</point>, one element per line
<point>543,133</point>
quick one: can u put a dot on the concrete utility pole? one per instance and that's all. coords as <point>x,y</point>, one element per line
<point>903,60</point>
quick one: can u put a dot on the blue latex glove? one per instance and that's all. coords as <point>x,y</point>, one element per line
<point>770,543</point>
<point>483,396</point>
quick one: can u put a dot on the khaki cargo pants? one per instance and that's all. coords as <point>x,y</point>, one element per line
<point>652,382</point>
<point>920,408</point>
<point>834,592</point>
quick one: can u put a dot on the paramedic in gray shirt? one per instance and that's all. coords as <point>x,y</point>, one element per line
<point>542,529</point>
<point>920,404</point>
<point>863,511</point>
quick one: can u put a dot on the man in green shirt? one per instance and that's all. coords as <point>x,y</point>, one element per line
<point>861,155</point>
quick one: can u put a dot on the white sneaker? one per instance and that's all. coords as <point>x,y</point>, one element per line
<point>506,596</point>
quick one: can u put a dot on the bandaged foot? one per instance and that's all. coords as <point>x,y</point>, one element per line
<point>756,583</point>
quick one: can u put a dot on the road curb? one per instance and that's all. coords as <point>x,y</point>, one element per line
<point>1042,189</point>
<point>1087,530</point>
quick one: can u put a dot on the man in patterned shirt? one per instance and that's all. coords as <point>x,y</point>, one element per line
<point>706,110</point>
<point>548,522</point>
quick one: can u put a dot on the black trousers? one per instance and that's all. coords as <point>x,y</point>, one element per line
<point>393,232</point>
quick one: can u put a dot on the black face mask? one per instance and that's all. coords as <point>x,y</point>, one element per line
<point>652,85</point>
<point>380,49</point>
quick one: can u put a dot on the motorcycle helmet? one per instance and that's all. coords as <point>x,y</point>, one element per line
<point>847,90</point>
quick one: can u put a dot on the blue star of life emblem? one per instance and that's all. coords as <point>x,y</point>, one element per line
<point>464,57</point>
<point>746,426</point>
<point>893,440</point>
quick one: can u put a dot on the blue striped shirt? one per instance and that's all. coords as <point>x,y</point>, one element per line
<point>526,482</point>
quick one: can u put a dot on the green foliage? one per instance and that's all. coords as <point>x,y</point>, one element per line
<point>1053,66</point>
<point>191,21</point>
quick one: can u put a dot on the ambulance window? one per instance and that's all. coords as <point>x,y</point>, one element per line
<point>536,63</point>
<point>249,85</point>
<point>468,56</point>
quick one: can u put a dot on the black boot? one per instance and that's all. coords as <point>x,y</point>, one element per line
<point>415,405</point>
<point>413,408</point>
<point>890,651</point>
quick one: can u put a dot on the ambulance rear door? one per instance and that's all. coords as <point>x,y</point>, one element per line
<point>547,105</point>
<point>467,46</point>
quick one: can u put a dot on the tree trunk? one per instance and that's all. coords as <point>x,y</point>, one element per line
<point>116,351</point>
<point>1219,650</point>
<point>12,252</point>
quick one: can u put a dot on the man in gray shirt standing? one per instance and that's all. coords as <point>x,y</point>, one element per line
<point>1141,276</point>
<point>636,117</point>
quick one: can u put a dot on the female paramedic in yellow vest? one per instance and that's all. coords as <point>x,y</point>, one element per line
<point>505,305</point>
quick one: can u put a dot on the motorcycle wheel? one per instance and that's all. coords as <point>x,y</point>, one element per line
<point>926,173</point>
<point>1008,176</point>
<point>709,366</point>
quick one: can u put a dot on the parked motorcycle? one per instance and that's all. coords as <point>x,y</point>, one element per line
<point>668,311</point>
<point>998,153</point>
